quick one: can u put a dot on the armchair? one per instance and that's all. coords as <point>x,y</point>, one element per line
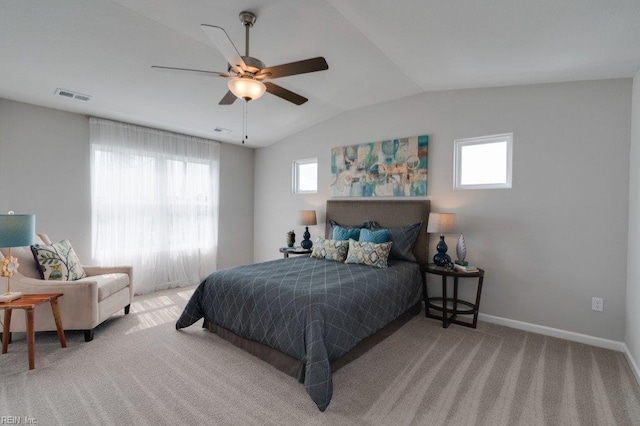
<point>86,303</point>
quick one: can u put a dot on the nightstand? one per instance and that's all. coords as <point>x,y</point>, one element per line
<point>452,307</point>
<point>286,251</point>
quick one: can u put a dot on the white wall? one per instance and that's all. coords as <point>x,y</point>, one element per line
<point>549,244</point>
<point>44,169</point>
<point>632,331</point>
<point>235,233</point>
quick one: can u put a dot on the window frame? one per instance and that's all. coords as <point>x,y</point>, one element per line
<point>295,178</point>
<point>458,144</point>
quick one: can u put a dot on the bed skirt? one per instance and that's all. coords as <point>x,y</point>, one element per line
<point>294,367</point>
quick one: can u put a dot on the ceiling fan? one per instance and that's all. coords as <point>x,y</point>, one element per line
<point>247,76</point>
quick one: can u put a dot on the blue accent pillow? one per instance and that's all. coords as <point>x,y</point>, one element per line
<point>344,234</point>
<point>368,236</point>
<point>333,224</point>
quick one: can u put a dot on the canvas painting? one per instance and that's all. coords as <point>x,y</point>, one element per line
<point>391,168</point>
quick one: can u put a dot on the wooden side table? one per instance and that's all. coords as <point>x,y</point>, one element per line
<point>286,251</point>
<point>449,314</point>
<point>28,302</point>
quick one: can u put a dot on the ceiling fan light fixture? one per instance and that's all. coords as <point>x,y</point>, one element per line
<point>246,88</point>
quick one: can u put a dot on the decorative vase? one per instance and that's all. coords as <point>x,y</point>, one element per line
<point>291,238</point>
<point>461,250</point>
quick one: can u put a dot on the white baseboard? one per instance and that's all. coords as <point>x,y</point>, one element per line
<point>568,335</point>
<point>555,332</point>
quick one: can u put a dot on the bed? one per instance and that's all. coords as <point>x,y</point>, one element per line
<point>309,317</point>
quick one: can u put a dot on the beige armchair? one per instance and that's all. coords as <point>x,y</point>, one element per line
<point>86,303</point>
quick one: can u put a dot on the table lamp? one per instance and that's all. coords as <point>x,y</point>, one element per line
<point>16,230</point>
<point>307,218</point>
<point>441,223</point>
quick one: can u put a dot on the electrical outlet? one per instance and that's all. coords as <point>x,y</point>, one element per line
<point>597,304</point>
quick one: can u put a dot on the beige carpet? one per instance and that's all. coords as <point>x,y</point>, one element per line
<point>140,370</point>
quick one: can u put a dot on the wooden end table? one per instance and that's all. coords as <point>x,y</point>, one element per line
<point>286,251</point>
<point>449,314</point>
<point>28,302</point>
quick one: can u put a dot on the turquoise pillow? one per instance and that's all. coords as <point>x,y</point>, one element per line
<point>344,234</point>
<point>378,237</point>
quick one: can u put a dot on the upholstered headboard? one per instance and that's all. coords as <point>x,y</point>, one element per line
<point>388,213</point>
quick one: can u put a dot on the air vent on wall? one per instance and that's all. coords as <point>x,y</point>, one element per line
<point>222,131</point>
<point>73,95</point>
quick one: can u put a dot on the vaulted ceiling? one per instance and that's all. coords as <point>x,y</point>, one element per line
<point>377,50</point>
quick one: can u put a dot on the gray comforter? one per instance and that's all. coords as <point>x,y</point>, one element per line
<point>313,310</point>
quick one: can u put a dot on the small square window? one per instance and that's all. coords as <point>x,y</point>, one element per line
<point>305,176</point>
<point>483,162</point>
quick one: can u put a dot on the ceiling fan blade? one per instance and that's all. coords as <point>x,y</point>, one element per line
<point>221,40</point>
<point>285,94</point>
<point>220,74</point>
<point>228,99</point>
<point>294,68</point>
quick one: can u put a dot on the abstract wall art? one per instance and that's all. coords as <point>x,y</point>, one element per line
<point>390,168</point>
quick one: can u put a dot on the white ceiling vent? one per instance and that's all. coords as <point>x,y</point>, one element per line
<point>73,95</point>
<point>222,131</point>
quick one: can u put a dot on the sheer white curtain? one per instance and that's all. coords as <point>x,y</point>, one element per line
<point>154,201</point>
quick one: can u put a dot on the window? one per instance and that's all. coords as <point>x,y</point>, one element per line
<point>154,203</point>
<point>305,176</point>
<point>483,162</point>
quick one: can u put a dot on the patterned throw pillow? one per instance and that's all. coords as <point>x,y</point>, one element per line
<point>330,249</point>
<point>371,254</point>
<point>318,249</point>
<point>403,239</point>
<point>380,236</point>
<point>58,261</point>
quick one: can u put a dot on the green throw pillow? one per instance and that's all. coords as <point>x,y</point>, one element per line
<point>58,262</point>
<point>371,254</point>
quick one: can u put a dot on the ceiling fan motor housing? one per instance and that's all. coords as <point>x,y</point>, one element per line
<point>253,66</point>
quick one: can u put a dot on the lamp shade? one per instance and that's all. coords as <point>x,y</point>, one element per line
<point>246,88</point>
<point>442,223</point>
<point>17,230</point>
<point>307,217</point>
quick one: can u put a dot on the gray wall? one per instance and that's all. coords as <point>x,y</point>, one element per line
<point>44,169</point>
<point>549,244</point>
<point>632,331</point>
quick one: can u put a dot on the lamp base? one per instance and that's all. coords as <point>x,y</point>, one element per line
<point>441,259</point>
<point>9,296</point>
<point>306,242</point>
